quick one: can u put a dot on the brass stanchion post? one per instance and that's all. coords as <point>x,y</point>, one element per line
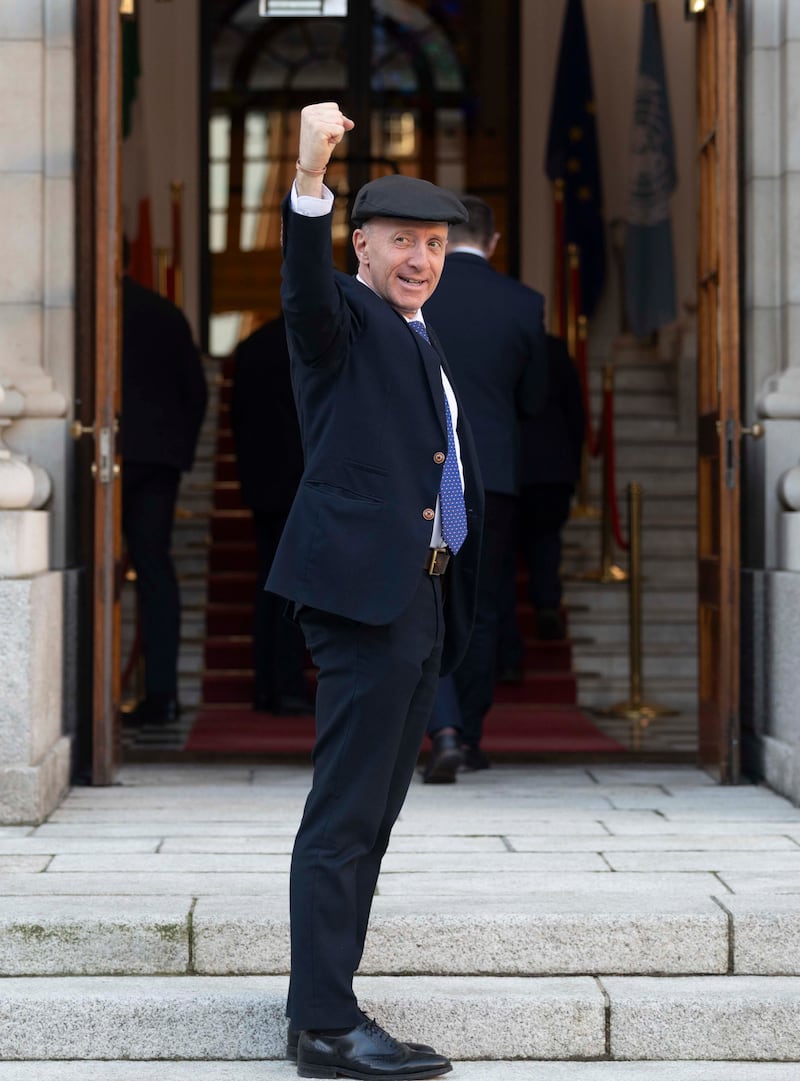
<point>608,571</point>
<point>635,710</point>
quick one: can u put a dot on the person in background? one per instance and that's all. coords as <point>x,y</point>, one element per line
<point>269,461</point>
<point>492,331</point>
<point>389,508</point>
<point>552,448</point>
<point>163,404</point>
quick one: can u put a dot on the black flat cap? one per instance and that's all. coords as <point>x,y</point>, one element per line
<point>407,197</point>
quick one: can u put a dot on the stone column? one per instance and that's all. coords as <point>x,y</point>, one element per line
<point>37,150</point>
<point>772,384</point>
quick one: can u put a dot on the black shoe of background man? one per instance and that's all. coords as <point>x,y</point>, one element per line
<point>365,1052</point>
<point>444,759</point>
<point>154,710</point>
<point>550,625</point>
<point>473,759</point>
<point>293,1035</point>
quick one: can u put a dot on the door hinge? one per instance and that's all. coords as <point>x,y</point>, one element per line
<point>107,468</point>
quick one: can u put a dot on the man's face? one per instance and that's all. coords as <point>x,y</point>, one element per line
<point>401,260</point>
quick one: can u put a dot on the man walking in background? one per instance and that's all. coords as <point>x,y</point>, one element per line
<point>492,330</point>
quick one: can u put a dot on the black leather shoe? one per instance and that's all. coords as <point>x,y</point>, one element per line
<point>444,759</point>
<point>474,758</point>
<point>365,1052</point>
<point>292,1036</point>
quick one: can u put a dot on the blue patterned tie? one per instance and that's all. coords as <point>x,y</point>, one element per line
<point>451,494</point>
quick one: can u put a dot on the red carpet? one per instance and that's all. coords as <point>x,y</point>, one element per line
<point>509,728</point>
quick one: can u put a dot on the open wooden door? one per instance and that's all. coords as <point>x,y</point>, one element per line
<point>99,362</point>
<point>718,387</point>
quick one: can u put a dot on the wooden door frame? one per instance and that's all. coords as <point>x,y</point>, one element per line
<point>719,426</point>
<point>98,258</point>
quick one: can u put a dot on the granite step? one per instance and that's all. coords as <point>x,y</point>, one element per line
<point>738,1018</point>
<point>523,934</point>
<point>264,1070</point>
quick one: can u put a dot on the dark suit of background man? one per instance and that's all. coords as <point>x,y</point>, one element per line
<point>492,331</point>
<point>163,403</point>
<point>552,445</point>
<point>269,461</point>
<point>386,445</point>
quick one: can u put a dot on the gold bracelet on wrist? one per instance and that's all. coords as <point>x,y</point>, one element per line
<point>311,172</point>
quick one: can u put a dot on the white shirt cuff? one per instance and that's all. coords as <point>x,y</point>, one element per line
<point>309,206</point>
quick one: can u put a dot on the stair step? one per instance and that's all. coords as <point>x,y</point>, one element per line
<point>466,1071</point>
<point>542,688</point>
<point>233,557</point>
<point>743,1018</point>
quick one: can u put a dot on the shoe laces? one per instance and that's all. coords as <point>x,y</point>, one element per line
<point>374,1029</point>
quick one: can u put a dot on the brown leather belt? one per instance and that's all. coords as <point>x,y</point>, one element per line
<point>438,558</point>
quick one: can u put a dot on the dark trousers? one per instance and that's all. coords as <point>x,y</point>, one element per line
<point>149,494</point>
<point>446,711</point>
<point>375,691</point>
<point>543,513</point>
<point>278,646</point>
<point>475,676</point>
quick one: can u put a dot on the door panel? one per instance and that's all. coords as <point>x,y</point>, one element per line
<point>100,307</point>
<point>718,387</point>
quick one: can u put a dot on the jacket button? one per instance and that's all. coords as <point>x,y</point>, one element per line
<point>428,514</point>
<point>439,457</point>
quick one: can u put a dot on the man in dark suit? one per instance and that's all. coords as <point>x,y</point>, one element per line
<point>552,445</point>
<point>493,335</point>
<point>163,403</point>
<point>389,505</point>
<point>265,430</point>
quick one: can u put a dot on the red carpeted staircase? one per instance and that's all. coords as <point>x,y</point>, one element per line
<point>537,715</point>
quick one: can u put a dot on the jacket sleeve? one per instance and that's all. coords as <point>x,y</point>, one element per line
<point>318,322</point>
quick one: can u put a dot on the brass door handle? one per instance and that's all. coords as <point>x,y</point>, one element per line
<point>76,429</point>
<point>757,431</point>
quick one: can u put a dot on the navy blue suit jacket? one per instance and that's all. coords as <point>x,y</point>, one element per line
<point>492,330</point>
<point>370,404</point>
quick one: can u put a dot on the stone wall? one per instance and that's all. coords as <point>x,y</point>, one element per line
<point>37,274</point>
<point>771,510</point>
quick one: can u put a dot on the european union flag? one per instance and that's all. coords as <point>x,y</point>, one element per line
<point>649,260</point>
<point>572,154</point>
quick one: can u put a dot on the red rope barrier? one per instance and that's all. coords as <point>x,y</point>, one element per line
<point>136,644</point>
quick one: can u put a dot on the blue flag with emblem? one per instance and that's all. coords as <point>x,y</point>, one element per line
<point>572,153</point>
<point>649,259</point>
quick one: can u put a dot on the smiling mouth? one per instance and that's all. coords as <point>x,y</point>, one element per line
<point>412,281</point>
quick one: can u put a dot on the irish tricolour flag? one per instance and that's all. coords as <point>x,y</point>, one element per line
<point>136,215</point>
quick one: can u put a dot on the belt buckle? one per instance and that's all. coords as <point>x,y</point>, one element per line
<point>437,561</point>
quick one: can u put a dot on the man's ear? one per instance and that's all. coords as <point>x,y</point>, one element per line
<point>492,245</point>
<point>360,244</point>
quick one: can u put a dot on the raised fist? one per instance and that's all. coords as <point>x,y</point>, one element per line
<point>322,126</point>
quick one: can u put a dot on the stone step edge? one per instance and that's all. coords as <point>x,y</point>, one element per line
<point>485,1070</point>
<point>624,1018</point>
<point>211,937</point>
